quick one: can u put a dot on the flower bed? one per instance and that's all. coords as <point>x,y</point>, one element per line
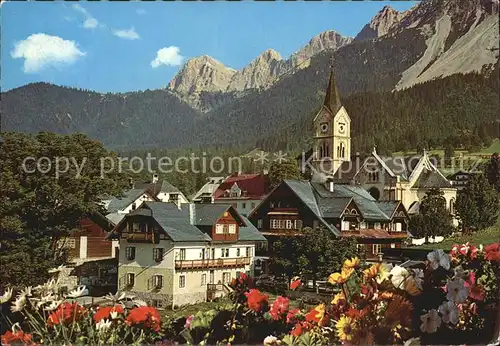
<point>453,300</point>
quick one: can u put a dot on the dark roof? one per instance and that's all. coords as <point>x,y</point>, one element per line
<point>159,186</point>
<point>207,214</point>
<point>332,97</point>
<point>331,207</point>
<point>388,207</point>
<point>347,171</point>
<point>249,232</point>
<point>431,179</point>
<point>119,203</point>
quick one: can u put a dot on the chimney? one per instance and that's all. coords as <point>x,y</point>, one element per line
<point>192,213</point>
<point>155,178</point>
<point>131,183</point>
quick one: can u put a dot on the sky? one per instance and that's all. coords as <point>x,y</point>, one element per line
<point>129,46</point>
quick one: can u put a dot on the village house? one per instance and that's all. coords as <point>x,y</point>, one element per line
<point>343,210</point>
<point>206,193</point>
<point>163,190</point>
<point>117,207</point>
<point>243,191</point>
<point>175,255</point>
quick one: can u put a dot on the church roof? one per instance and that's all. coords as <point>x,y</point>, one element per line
<point>332,97</point>
<point>431,179</point>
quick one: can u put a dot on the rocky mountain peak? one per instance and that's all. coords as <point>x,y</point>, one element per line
<point>269,55</point>
<point>385,20</point>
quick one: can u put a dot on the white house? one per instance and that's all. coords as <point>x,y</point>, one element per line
<point>163,190</point>
<point>172,256</point>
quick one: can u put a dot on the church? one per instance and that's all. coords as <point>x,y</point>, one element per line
<point>405,179</point>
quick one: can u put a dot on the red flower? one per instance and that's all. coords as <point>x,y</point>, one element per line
<point>104,312</point>
<point>66,313</point>
<point>279,307</point>
<point>454,250</point>
<point>300,328</point>
<point>18,337</point>
<point>291,316</point>
<point>492,252</point>
<point>477,292</point>
<point>295,284</point>
<point>256,299</point>
<point>147,316</point>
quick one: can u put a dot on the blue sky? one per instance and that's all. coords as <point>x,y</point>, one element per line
<point>127,46</point>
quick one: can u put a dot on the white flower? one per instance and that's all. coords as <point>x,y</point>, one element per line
<point>418,275</point>
<point>103,325</point>
<point>116,297</point>
<point>480,248</point>
<point>27,291</point>
<point>77,292</point>
<point>412,342</point>
<point>15,327</point>
<point>113,315</point>
<point>44,300</point>
<point>5,297</point>
<point>19,304</point>
<point>398,276</point>
<point>53,305</point>
<point>57,270</point>
<point>271,340</point>
<point>456,291</point>
<point>430,321</point>
<point>439,258</point>
<point>139,302</point>
<point>450,312</point>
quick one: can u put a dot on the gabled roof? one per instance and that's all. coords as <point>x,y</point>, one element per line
<point>249,232</point>
<point>431,179</point>
<point>333,207</point>
<point>160,186</point>
<point>209,188</point>
<point>255,185</point>
<point>207,214</point>
<point>120,203</point>
<point>388,207</point>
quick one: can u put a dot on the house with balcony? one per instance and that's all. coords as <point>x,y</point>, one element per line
<point>174,255</point>
<point>343,210</point>
<point>243,191</point>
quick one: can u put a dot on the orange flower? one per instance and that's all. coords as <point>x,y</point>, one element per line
<point>492,252</point>
<point>295,284</point>
<point>351,263</point>
<point>18,337</point>
<point>317,315</point>
<point>104,312</point>
<point>66,313</point>
<point>279,307</point>
<point>342,277</point>
<point>371,273</point>
<point>147,316</point>
<point>256,300</point>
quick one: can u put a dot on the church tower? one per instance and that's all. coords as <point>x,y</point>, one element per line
<point>332,132</point>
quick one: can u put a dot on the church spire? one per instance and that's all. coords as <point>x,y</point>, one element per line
<point>332,98</point>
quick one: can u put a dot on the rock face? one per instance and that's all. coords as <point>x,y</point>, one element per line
<point>381,24</point>
<point>326,40</point>
<point>203,73</point>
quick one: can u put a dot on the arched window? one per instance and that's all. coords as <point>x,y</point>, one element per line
<point>338,151</point>
<point>452,206</point>
<point>342,150</point>
<point>320,151</point>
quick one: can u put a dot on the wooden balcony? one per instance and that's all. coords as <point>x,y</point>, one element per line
<point>374,234</point>
<point>212,263</point>
<point>141,237</point>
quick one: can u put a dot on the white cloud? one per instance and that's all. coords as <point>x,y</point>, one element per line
<point>42,50</point>
<point>129,34</point>
<point>89,22</point>
<point>169,56</point>
<point>140,11</point>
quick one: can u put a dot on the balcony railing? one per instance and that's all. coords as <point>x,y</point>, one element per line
<point>212,263</point>
<point>142,237</point>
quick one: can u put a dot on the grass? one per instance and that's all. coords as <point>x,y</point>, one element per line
<point>486,236</point>
<point>187,310</point>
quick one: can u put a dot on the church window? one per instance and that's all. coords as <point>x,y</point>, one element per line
<point>342,150</point>
<point>338,151</point>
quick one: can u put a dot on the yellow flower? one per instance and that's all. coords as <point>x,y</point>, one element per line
<point>371,272</point>
<point>339,296</point>
<point>340,278</point>
<point>351,263</point>
<point>384,271</point>
<point>345,328</point>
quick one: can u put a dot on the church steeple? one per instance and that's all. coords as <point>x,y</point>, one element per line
<point>332,98</point>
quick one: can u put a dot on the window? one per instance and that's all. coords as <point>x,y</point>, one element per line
<point>173,197</point>
<point>157,303</point>
<point>360,247</point>
<point>130,279</point>
<point>158,254</point>
<point>226,229</point>
<point>133,206</point>
<point>288,224</point>
<point>377,225</point>
<point>298,224</point>
<point>399,227</point>
<point>222,253</point>
<point>247,250</point>
<point>452,206</point>
<point>219,229</point>
<point>243,205</point>
<point>259,223</point>
<point>135,227</point>
<point>182,281</point>
<point>130,253</point>
<point>158,281</point>
<point>345,226</point>
<point>182,254</point>
<point>274,224</point>
<point>143,227</point>
<point>238,252</point>
<point>376,249</point>
<point>227,252</point>
<point>232,229</point>
<point>203,279</point>
<point>362,225</point>
<point>226,277</point>
<point>68,243</point>
<point>393,245</point>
